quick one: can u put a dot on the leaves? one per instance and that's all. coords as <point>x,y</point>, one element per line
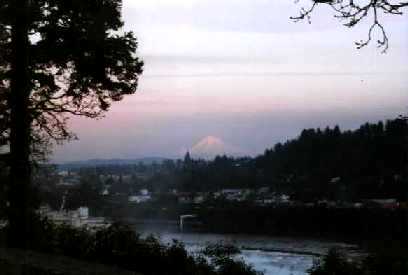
<point>80,61</point>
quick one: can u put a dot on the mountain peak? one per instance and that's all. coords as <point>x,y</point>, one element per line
<point>210,141</point>
<point>211,146</point>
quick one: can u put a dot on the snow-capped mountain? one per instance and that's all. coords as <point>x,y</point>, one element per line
<point>211,146</point>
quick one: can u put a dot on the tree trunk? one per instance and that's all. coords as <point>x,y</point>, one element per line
<point>19,213</point>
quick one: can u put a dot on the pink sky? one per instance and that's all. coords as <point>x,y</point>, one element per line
<point>242,71</point>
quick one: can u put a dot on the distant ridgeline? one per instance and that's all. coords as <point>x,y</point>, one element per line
<point>108,162</point>
<point>370,162</point>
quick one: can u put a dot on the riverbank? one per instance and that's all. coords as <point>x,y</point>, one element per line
<point>275,255</point>
<point>350,224</point>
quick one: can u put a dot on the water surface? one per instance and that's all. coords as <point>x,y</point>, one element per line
<point>271,255</point>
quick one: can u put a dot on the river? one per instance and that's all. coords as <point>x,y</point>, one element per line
<point>271,255</point>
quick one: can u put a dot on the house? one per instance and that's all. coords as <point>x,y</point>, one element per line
<point>263,190</point>
<point>126,178</point>
<point>139,198</point>
<point>233,194</point>
<point>105,191</point>
<point>199,198</point>
<point>83,212</point>
<point>273,198</point>
<point>266,200</point>
<point>358,205</point>
<point>68,181</point>
<point>383,203</point>
<point>185,198</point>
<point>335,180</point>
<point>144,192</point>
<point>63,173</point>
<point>327,203</point>
<point>284,198</point>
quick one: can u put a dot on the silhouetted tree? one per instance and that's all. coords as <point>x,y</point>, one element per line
<point>352,12</point>
<point>187,158</point>
<point>57,58</point>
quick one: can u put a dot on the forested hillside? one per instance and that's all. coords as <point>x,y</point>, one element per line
<point>367,162</point>
<point>330,164</point>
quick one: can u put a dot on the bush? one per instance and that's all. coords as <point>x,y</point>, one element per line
<point>380,263</point>
<point>221,257</point>
<point>121,246</point>
<point>334,263</point>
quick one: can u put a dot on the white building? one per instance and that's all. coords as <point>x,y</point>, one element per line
<point>144,192</point>
<point>76,218</point>
<point>139,198</point>
<point>63,173</point>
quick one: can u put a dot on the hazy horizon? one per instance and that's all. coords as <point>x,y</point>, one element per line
<point>243,72</point>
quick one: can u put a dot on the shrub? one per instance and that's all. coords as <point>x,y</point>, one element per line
<point>121,246</point>
<point>380,263</point>
<point>334,263</point>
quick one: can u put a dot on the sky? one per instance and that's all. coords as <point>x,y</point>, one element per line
<point>242,71</point>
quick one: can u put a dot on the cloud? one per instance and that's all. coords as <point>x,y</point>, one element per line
<point>241,70</point>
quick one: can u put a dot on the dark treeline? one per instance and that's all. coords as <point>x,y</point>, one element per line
<point>369,162</point>
<point>120,246</point>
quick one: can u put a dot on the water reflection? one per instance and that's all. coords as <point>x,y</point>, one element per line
<point>277,256</point>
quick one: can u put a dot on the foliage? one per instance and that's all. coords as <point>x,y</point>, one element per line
<point>220,250</point>
<point>378,263</point>
<point>236,267</point>
<point>222,257</point>
<point>79,62</point>
<point>369,162</point>
<point>121,246</point>
<point>334,263</point>
<point>57,58</point>
<point>87,193</point>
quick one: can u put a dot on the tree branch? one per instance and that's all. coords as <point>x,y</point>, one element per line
<point>354,11</point>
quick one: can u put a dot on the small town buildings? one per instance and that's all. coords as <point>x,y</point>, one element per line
<point>235,194</point>
<point>63,173</point>
<point>143,196</point>
<point>75,218</point>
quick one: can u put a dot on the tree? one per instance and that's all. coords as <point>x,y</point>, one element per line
<point>57,58</point>
<point>352,12</point>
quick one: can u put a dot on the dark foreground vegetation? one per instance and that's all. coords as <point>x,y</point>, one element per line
<point>27,262</point>
<point>388,262</point>
<point>118,245</point>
